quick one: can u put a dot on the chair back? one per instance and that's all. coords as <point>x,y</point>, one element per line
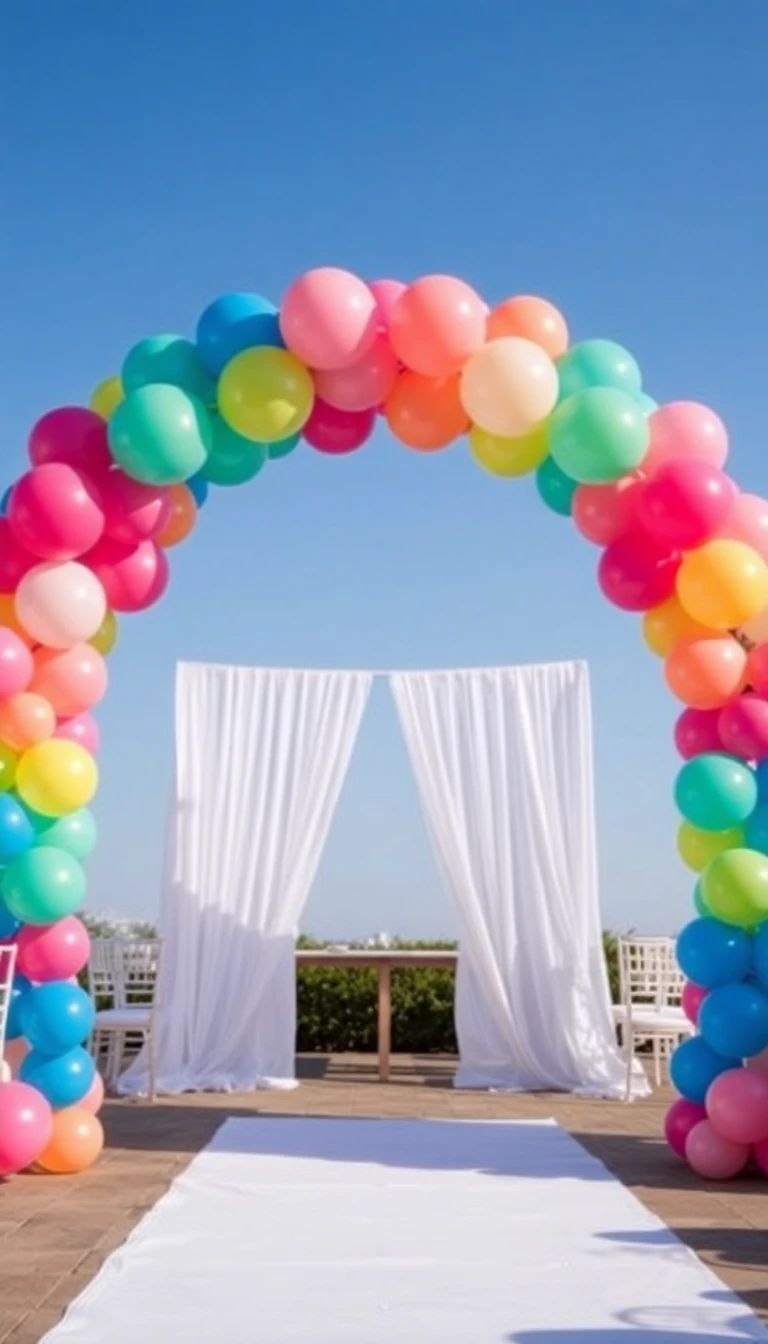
<point>102,967</point>
<point>7,965</point>
<point>139,970</point>
<point>648,973</point>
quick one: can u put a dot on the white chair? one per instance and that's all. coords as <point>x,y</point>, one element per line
<point>651,992</point>
<point>122,978</point>
<point>7,965</point>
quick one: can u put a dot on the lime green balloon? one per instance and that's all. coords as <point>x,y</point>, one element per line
<point>598,364</point>
<point>556,489</point>
<point>233,459</point>
<point>284,447</point>
<point>8,761</point>
<point>75,833</point>
<point>160,434</point>
<point>168,359</point>
<point>735,887</point>
<point>598,435</point>
<point>43,885</point>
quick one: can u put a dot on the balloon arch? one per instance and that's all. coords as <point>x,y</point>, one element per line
<point>85,532</point>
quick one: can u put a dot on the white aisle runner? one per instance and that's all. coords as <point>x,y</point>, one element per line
<point>365,1231</point>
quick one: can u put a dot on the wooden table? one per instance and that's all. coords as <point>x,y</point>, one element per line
<point>384,962</point>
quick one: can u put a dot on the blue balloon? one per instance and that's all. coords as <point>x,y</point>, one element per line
<point>694,1066</point>
<point>236,322</point>
<point>711,953</point>
<point>760,955</point>
<point>63,1079</point>
<point>199,487</point>
<point>20,989</point>
<point>756,828</point>
<point>16,830</point>
<point>734,1020</point>
<point>761,775</point>
<point>9,924</point>
<point>56,1017</point>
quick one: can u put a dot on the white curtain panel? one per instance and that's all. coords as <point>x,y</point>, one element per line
<point>503,762</point>
<point>261,756</point>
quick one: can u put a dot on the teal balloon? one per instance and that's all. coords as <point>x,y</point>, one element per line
<point>284,446</point>
<point>715,791</point>
<point>75,833</point>
<point>556,489</point>
<point>598,364</point>
<point>233,460</point>
<point>647,404</point>
<point>160,435</point>
<point>43,885</point>
<point>756,829</point>
<point>598,435</point>
<point>168,359</point>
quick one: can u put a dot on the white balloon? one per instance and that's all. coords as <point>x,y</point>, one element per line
<point>509,386</point>
<point>60,604</point>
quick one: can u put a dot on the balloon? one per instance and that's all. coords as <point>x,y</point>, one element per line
<point>233,323</point>
<point>748,522</point>
<point>705,671</point>
<point>723,584</point>
<point>714,1158</point>
<point>75,833</point>
<point>57,1016</point>
<point>737,1105</point>
<point>761,775</point>
<point>756,629</point>
<point>171,360</point>
<point>760,955</point>
<point>55,513</point>
<point>743,727</point>
<point>692,998</point>
<point>19,989</point>
<point>509,457</point>
<point>183,517</point>
<point>61,604</point>
<point>437,324</point>
<point>647,404</point>
<point>694,1066</point>
<point>43,885</point>
<point>15,562</point>
<point>685,503</point>
<point>94,1097</point>
<point>361,386</point>
<point>757,669</point>
<point>75,1143</point>
<point>598,364</point>
<point>635,573</point>
<point>664,625</point>
<point>685,429</point>
<point>386,293</point>
<point>735,887</point>
<point>266,394</point>
<point>56,777</point>
<point>711,953</point>
<point>106,636</point>
<point>71,680</point>
<point>233,460</point>
<point>531,318</point>
<point>508,387</point>
<point>756,829</point>
<point>26,719</point>
<point>16,664</point>
<point>82,729</point>
<point>328,320</point>
<point>132,577</point>
<point>760,1156</point>
<point>160,434</point>
<point>9,762</point>
<point>283,447</point>
<point>679,1121</point>
<point>63,1079</point>
<point>733,1020</point>
<point>698,848</point>
<point>74,435</point>
<point>14,1055</point>
<point>106,396</point>
<point>133,511</point>
<point>10,620</point>
<point>697,731</point>
<point>336,432</point>
<point>715,791</point>
<point>46,952</point>
<point>603,513</point>
<point>26,1126</point>
<point>598,435</point>
<point>555,488</point>
<point>16,830</point>
<point>425,413</point>
<point>9,925</point>
<point>198,484</point>
<point>698,900</point>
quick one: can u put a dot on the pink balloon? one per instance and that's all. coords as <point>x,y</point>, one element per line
<point>16,665</point>
<point>692,999</point>
<point>52,951</point>
<point>94,1097</point>
<point>758,1063</point>
<point>134,512</point>
<point>636,573</point>
<point>737,1105</point>
<point>15,561</point>
<point>71,434</point>
<point>329,318</point>
<point>748,522</point>
<point>602,513</point>
<point>60,603</point>
<point>71,680</point>
<point>712,1156</point>
<point>386,293</point>
<point>26,1126</point>
<point>81,728</point>
<point>760,1156</point>
<point>437,324</point>
<point>743,727</point>
<point>55,512</point>
<point>685,503</point>
<point>15,1053</point>
<point>133,577</point>
<point>697,731</point>
<point>337,432</point>
<point>685,429</point>
<point>365,384</point>
<point>679,1121</point>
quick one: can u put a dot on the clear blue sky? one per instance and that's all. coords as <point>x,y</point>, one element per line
<point>609,156</point>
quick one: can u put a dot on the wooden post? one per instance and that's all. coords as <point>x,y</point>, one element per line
<point>385,1020</point>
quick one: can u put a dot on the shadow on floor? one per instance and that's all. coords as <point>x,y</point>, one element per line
<point>418,1071</point>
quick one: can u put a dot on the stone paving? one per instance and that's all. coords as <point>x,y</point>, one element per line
<point>56,1232</point>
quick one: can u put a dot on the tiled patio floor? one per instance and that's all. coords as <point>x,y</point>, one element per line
<point>55,1233</point>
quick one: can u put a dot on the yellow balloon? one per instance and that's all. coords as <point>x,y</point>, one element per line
<point>105,638</point>
<point>664,625</point>
<point>266,394</point>
<point>107,396</point>
<point>509,457</point>
<point>698,848</point>
<point>56,777</point>
<point>723,584</point>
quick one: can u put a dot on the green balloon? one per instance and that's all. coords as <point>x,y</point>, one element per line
<point>700,905</point>
<point>284,446</point>
<point>75,833</point>
<point>598,364</point>
<point>168,359</point>
<point>160,434</point>
<point>43,885</point>
<point>598,435</point>
<point>715,791</point>
<point>735,887</point>
<point>556,489</point>
<point>233,459</point>
<point>9,759</point>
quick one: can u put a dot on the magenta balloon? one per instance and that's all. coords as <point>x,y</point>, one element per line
<point>71,434</point>
<point>26,1126</point>
<point>55,512</point>
<point>697,731</point>
<point>15,560</point>
<point>685,503</point>
<point>16,664</point>
<point>760,1156</point>
<point>80,728</point>
<point>679,1121</point>
<point>737,1105</point>
<point>335,432</point>
<point>52,951</point>
<point>133,511</point>
<point>743,727</point>
<point>712,1156</point>
<point>692,999</point>
<point>636,573</point>
<point>386,293</point>
<point>133,577</point>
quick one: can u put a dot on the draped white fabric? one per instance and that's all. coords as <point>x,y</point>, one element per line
<point>261,756</point>
<point>503,761</point>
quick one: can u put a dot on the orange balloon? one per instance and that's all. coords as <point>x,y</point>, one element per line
<point>183,517</point>
<point>425,413</point>
<point>9,619</point>
<point>533,318</point>
<point>706,671</point>
<point>25,719</point>
<point>436,324</point>
<point>77,1140</point>
<point>664,625</point>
